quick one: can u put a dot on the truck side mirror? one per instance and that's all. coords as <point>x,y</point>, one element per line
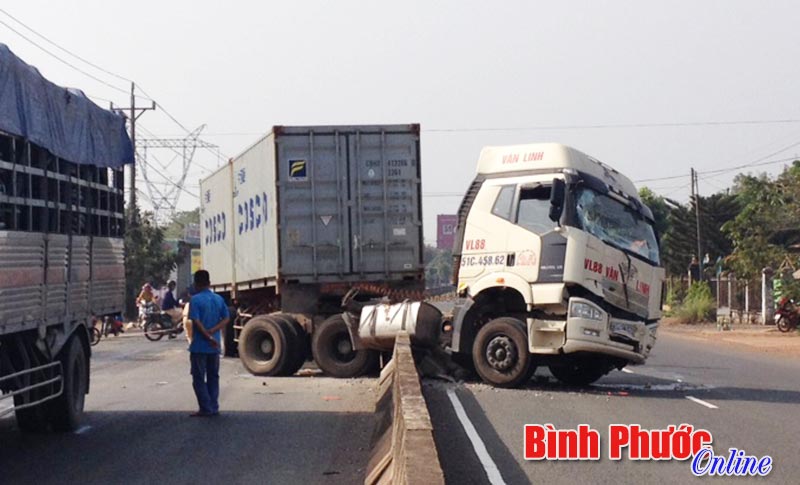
<point>557,200</point>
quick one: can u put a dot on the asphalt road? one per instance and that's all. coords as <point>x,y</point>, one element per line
<point>302,429</point>
<point>757,399</point>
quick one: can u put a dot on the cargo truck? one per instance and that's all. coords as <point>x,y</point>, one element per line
<point>557,263</point>
<point>61,248</point>
<point>299,219</point>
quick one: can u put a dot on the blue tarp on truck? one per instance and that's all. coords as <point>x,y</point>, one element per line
<point>63,121</point>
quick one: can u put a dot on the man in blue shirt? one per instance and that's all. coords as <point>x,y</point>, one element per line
<point>209,315</point>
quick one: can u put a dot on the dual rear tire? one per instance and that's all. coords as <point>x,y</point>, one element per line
<point>333,350</point>
<point>272,345</point>
<point>276,345</point>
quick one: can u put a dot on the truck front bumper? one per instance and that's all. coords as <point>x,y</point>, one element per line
<point>593,332</point>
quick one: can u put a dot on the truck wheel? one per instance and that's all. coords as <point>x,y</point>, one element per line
<point>263,347</point>
<point>65,411</point>
<point>500,353</point>
<point>33,419</point>
<point>579,373</point>
<point>153,331</point>
<point>333,350</point>
<point>295,336</point>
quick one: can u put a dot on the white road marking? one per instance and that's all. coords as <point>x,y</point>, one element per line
<point>701,402</point>
<point>492,472</point>
<point>82,429</point>
<point>627,371</point>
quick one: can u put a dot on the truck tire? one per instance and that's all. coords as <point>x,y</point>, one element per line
<point>296,337</point>
<point>500,353</point>
<point>264,348</point>
<point>66,411</point>
<point>579,374</point>
<point>333,350</point>
<point>33,419</point>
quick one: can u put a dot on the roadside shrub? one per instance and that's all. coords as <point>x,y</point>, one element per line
<point>698,306</point>
<point>676,292</point>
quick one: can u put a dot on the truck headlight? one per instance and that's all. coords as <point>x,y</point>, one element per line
<point>586,310</point>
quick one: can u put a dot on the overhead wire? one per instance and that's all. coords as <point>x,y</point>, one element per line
<point>62,60</point>
<point>59,47</point>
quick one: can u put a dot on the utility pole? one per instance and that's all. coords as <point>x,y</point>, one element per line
<point>135,113</point>
<point>696,199</point>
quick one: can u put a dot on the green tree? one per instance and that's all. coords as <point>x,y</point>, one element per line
<point>759,231</point>
<point>174,230</point>
<point>146,261</point>
<point>438,267</point>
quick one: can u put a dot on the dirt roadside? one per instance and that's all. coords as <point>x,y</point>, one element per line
<point>753,338</point>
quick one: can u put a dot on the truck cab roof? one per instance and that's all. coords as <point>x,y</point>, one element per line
<point>549,157</point>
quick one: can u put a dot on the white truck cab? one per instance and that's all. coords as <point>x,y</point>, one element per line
<point>557,261</point>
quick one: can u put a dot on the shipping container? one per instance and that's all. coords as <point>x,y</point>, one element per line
<point>307,213</point>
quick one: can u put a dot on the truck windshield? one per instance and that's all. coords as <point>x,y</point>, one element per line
<point>616,223</point>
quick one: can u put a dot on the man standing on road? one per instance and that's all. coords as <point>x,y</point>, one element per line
<point>209,315</point>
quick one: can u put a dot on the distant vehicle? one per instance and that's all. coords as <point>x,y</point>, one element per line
<point>787,316</point>
<point>61,247</point>
<point>296,221</point>
<point>558,263</point>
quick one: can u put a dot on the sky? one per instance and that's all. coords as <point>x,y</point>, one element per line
<point>650,88</point>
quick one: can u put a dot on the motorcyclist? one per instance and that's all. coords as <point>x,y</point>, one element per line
<point>170,305</point>
<point>146,298</point>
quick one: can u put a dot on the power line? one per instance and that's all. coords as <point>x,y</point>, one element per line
<point>722,171</point>
<point>62,60</point>
<point>613,126</point>
<point>76,56</point>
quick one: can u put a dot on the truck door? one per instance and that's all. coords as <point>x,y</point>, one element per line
<point>315,238</point>
<point>536,250</point>
<point>386,219</point>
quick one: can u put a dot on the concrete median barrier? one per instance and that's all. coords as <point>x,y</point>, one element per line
<point>403,450</point>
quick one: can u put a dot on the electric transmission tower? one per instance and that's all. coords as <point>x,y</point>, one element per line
<point>164,193</point>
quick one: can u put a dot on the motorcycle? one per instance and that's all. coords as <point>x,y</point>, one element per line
<point>159,323</point>
<point>108,325</point>
<point>787,316</point>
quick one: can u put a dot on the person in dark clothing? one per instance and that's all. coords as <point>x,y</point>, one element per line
<point>169,302</point>
<point>209,315</point>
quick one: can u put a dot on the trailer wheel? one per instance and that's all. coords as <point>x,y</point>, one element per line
<point>580,373</point>
<point>500,353</point>
<point>296,338</point>
<point>333,350</point>
<point>263,347</point>
<point>65,411</point>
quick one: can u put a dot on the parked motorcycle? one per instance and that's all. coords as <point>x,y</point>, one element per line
<point>787,316</point>
<point>108,325</point>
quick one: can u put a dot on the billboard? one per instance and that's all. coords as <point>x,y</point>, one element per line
<point>446,230</point>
